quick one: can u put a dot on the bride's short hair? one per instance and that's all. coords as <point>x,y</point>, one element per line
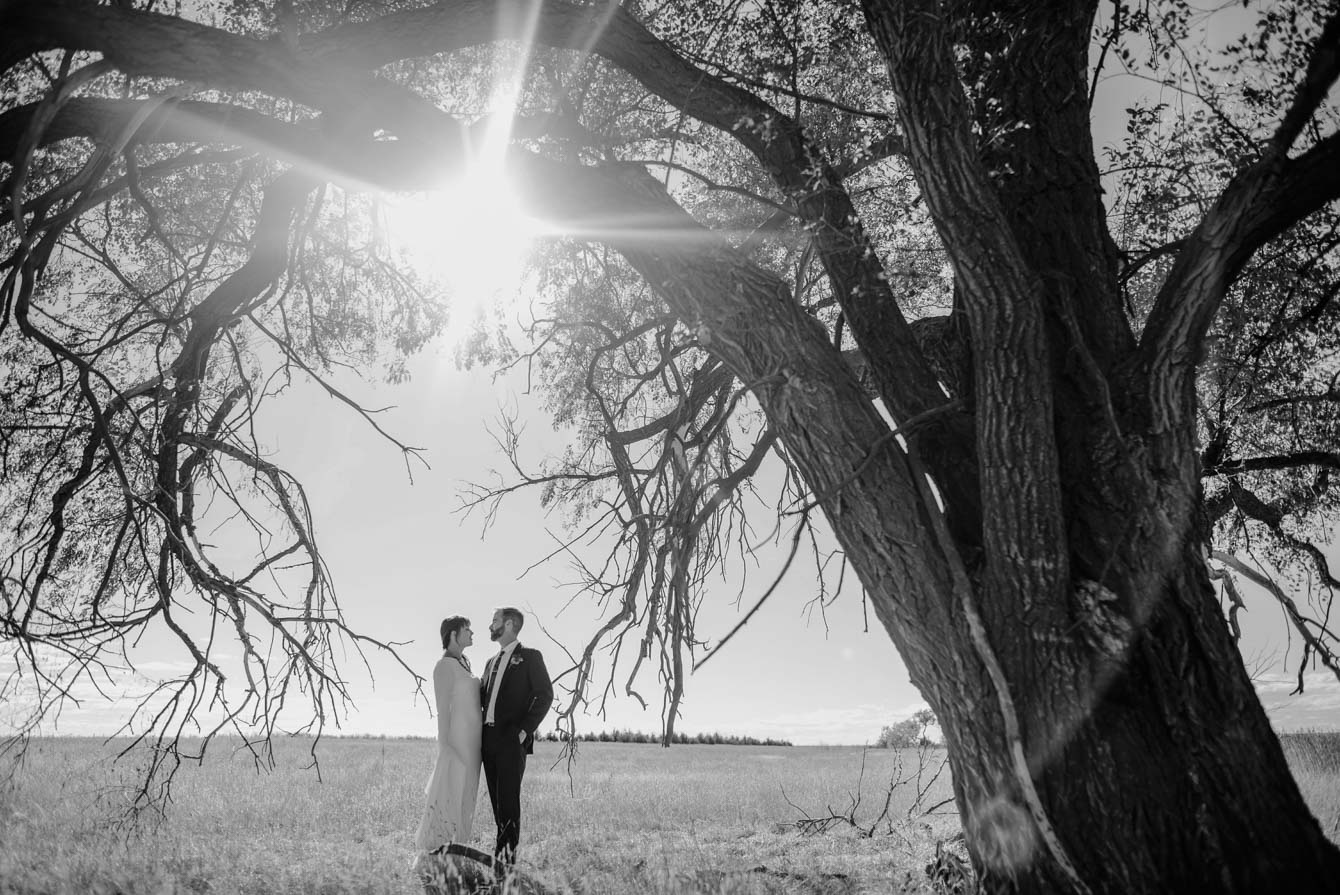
<point>451,626</point>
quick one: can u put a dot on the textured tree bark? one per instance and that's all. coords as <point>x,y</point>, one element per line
<point>1150,757</point>
<point>1172,782</point>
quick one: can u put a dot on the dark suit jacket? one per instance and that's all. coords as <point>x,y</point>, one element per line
<point>524,692</point>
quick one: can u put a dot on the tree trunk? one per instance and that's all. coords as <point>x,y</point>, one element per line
<point>1106,738</point>
<point>1172,781</point>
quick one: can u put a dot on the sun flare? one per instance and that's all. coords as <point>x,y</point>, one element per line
<point>470,237</point>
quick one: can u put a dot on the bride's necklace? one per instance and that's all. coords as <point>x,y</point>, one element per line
<point>464,662</point>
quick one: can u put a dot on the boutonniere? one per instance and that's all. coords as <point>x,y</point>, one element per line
<point>516,660</point>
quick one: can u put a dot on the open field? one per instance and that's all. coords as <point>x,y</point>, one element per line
<point>630,818</point>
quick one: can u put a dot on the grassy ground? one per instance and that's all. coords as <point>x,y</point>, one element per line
<point>629,819</point>
<point>1314,757</point>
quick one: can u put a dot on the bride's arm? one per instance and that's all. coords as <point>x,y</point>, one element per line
<point>442,691</point>
<point>448,701</point>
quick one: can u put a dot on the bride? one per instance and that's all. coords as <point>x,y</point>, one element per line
<point>450,811</point>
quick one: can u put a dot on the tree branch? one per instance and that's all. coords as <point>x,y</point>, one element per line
<point>1322,70</point>
<point>1328,459</point>
<point>1003,299</point>
<point>1299,621</point>
<point>1256,205</point>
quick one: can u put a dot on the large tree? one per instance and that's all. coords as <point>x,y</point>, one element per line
<point>187,218</point>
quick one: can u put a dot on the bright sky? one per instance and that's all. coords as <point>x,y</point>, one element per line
<point>403,547</point>
<point>402,559</point>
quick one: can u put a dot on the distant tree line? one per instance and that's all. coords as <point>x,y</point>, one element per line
<point>634,736</point>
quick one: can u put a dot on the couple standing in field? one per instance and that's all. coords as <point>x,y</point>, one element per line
<point>487,722</point>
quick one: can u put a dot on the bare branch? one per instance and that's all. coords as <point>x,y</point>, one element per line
<point>1327,459</point>
<point>1302,625</point>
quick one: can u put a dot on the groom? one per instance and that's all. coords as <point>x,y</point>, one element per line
<point>516,693</point>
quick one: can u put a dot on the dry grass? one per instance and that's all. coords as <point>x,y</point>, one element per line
<point>1314,756</point>
<point>630,819</point>
<point>1317,751</point>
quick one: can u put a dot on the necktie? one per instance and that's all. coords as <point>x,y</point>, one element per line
<point>492,687</point>
<point>493,676</point>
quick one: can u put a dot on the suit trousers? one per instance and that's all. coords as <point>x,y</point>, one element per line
<point>504,765</point>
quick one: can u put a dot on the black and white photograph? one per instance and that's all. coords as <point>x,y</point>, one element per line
<point>669,447</point>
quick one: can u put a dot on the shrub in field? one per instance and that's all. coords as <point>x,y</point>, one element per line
<point>910,733</point>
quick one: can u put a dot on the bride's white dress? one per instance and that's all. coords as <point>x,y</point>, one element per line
<point>449,814</point>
